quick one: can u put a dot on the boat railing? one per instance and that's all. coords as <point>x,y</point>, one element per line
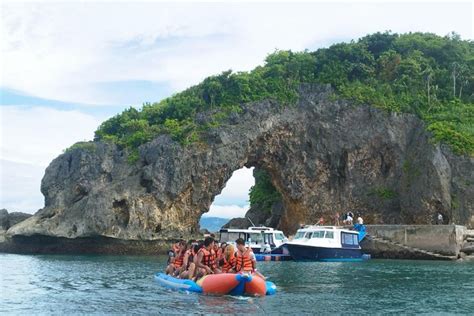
<point>318,226</point>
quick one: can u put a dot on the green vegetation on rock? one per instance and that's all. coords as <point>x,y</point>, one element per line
<point>383,193</point>
<point>420,73</point>
<point>263,193</point>
<point>88,146</point>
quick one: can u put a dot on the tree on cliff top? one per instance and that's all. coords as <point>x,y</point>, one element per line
<point>421,73</point>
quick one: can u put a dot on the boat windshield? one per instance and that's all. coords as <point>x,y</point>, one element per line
<point>279,236</point>
<point>350,239</point>
<point>318,234</point>
<point>256,238</point>
<point>299,235</point>
<point>329,235</point>
<point>228,236</point>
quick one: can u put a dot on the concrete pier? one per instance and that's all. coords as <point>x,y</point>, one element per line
<point>439,242</point>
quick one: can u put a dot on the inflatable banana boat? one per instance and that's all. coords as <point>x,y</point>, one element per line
<point>220,284</point>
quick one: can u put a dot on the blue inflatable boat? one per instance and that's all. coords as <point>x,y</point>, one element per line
<point>220,284</point>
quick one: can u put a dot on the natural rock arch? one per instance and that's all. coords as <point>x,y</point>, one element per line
<point>323,155</point>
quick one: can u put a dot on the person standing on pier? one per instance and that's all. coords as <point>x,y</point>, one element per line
<point>440,219</point>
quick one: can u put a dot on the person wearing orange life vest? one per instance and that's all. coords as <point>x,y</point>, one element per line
<point>220,252</point>
<point>206,258</point>
<point>229,259</point>
<point>189,267</point>
<point>173,252</point>
<point>180,263</point>
<point>245,259</point>
<point>178,258</point>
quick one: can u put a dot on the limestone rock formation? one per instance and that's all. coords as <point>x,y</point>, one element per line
<point>8,220</point>
<point>324,155</point>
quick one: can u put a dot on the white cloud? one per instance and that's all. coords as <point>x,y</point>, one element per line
<point>227,211</point>
<point>20,186</point>
<point>233,200</point>
<point>36,135</point>
<point>30,138</point>
<point>62,50</point>
<point>236,190</point>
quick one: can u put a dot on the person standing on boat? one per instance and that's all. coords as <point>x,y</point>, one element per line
<point>245,259</point>
<point>349,219</point>
<point>336,219</point>
<point>360,220</point>
<point>320,221</point>
<point>206,258</point>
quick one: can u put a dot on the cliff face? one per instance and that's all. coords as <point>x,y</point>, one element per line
<point>323,156</point>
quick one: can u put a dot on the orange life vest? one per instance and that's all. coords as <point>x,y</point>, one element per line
<point>229,264</point>
<point>208,258</point>
<point>178,261</point>
<point>244,261</point>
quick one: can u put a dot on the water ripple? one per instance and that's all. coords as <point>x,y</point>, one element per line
<point>124,285</point>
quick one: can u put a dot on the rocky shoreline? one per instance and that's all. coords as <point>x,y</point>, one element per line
<point>41,244</point>
<point>417,242</point>
<point>85,245</point>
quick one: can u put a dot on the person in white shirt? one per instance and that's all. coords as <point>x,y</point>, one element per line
<point>348,220</point>
<point>440,219</point>
<point>360,220</point>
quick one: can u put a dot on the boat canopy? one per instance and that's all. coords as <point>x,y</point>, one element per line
<point>257,235</point>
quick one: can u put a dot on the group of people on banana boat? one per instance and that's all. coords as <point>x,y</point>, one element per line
<point>195,259</point>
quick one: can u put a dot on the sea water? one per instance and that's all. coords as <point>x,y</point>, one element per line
<point>86,284</point>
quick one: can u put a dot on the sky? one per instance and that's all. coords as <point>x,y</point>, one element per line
<point>66,67</point>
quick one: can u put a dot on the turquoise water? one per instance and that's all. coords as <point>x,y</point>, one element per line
<point>60,284</point>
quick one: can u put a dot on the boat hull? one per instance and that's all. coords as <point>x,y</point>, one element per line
<point>312,253</point>
<point>272,257</point>
<point>275,251</point>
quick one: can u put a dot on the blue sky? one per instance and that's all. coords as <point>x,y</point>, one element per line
<point>65,67</point>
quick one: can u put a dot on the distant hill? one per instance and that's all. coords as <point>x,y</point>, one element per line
<point>212,224</point>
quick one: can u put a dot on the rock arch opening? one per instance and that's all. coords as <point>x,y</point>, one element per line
<point>232,202</point>
<point>249,197</point>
